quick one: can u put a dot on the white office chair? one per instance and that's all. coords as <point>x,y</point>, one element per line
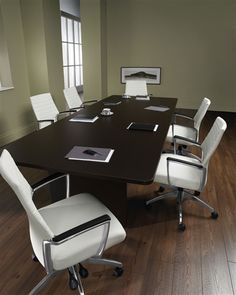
<point>189,173</point>
<point>192,133</point>
<point>45,109</point>
<point>136,87</point>
<point>73,99</point>
<point>67,232</point>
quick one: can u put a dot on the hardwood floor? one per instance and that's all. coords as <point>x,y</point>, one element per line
<point>158,259</point>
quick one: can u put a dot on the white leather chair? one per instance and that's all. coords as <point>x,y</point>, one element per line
<point>188,174</point>
<point>45,109</point>
<point>67,232</point>
<point>192,133</point>
<point>136,87</point>
<point>73,99</point>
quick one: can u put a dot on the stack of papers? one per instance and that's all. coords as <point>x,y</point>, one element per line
<point>85,153</point>
<point>142,126</point>
<point>89,118</point>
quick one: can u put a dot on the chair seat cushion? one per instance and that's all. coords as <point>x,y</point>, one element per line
<point>181,175</point>
<point>68,213</point>
<point>181,130</point>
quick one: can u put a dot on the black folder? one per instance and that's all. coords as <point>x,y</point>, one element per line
<point>142,126</point>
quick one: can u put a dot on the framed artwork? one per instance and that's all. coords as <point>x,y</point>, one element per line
<point>150,75</point>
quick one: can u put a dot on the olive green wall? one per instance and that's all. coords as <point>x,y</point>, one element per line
<point>32,35</point>
<point>52,28</point>
<point>15,112</point>
<point>104,47</point>
<point>42,31</point>
<point>5,72</point>
<point>194,42</point>
<point>91,25</point>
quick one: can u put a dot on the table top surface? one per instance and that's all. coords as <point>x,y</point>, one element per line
<point>136,154</point>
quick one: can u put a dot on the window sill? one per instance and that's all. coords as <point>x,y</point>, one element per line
<point>5,88</point>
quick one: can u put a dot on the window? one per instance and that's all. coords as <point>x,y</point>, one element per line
<point>71,50</point>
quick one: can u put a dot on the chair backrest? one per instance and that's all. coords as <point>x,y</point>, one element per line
<point>212,139</point>
<point>201,112</point>
<point>136,87</point>
<point>44,107</point>
<point>72,97</point>
<point>24,192</point>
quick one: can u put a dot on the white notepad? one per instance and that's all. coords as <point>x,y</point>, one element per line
<point>94,154</point>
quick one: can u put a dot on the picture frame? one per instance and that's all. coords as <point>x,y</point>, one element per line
<point>152,75</point>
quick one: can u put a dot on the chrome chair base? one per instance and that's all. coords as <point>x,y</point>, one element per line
<point>181,196</point>
<point>41,284</point>
<point>75,275</point>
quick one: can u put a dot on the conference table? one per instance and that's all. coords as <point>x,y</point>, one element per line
<point>136,153</point>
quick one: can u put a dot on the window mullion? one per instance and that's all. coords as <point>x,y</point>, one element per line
<point>73,29</point>
<point>67,45</point>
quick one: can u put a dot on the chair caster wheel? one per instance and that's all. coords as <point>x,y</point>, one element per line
<point>34,258</point>
<point>148,206</point>
<point>161,189</point>
<point>214,215</point>
<point>83,271</point>
<point>73,283</point>
<point>181,226</point>
<point>118,271</point>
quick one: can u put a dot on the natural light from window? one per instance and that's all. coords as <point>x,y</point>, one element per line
<point>72,51</point>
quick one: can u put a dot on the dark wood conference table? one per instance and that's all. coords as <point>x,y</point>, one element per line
<point>134,160</point>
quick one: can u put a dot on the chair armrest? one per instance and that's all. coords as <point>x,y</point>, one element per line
<point>69,112</point>
<point>193,165</point>
<point>176,115</point>
<point>103,220</point>
<point>193,142</point>
<point>185,162</point>
<point>173,124</point>
<point>75,231</point>
<point>187,140</point>
<point>64,112</point>
<point>47,180</point>
<point>46,120</point>
<point>77,108</point>
<point>89,101</point>
<point>183,116</point>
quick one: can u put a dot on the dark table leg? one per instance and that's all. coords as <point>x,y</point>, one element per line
<point>113,194</point>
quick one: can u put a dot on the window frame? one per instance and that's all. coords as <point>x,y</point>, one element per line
<point>73,76</point>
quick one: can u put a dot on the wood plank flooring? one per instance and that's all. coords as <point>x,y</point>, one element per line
<point>158,260</point>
